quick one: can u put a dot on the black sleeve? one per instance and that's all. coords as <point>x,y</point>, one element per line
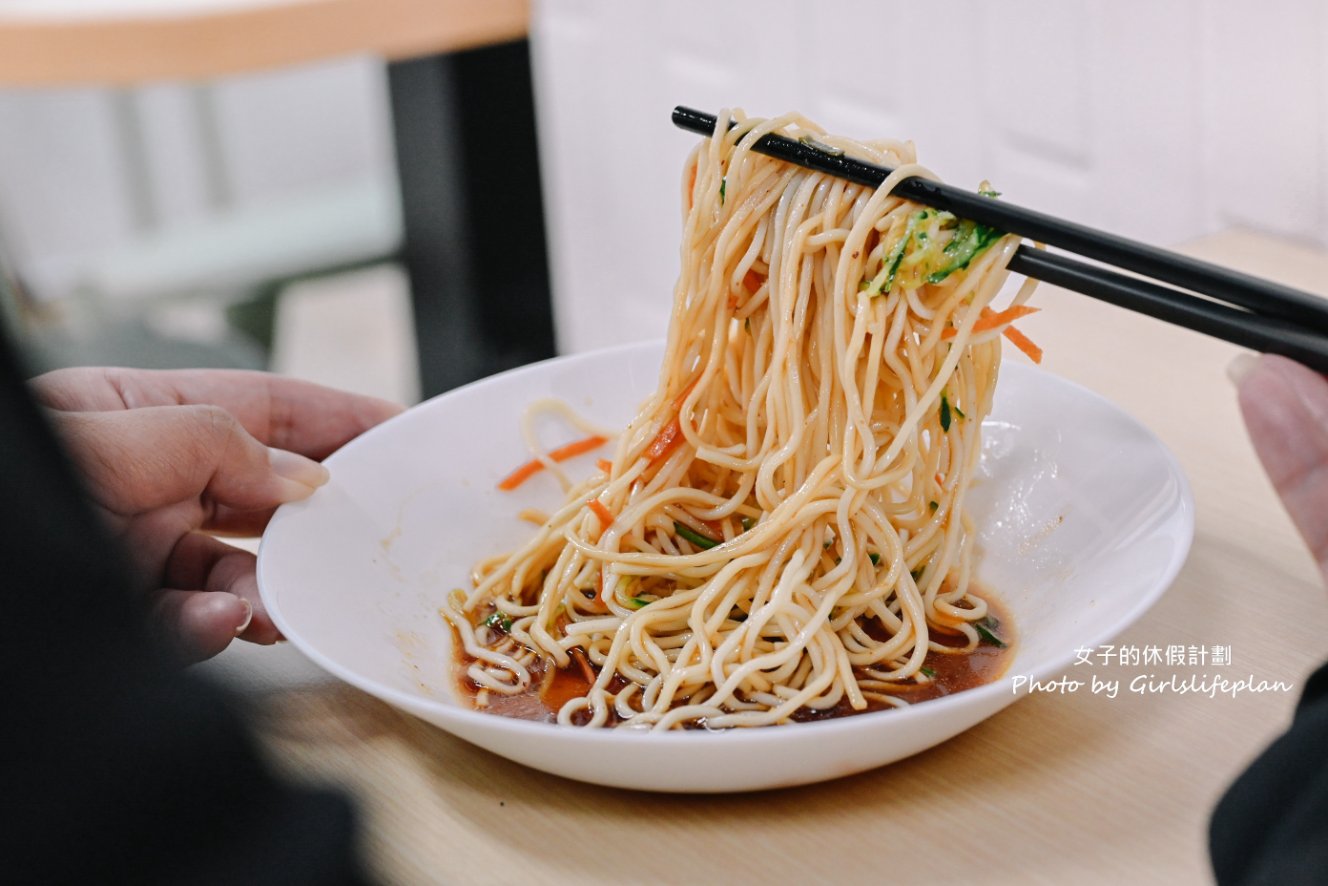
<point>116,767</point>
<point>1272,824</point>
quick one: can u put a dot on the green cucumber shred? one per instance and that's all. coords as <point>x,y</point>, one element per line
<point>691,535</point>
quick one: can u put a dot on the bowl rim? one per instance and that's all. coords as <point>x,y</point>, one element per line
<point>442,710</point>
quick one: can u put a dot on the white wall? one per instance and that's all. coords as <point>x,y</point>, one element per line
<point>1160,121</point>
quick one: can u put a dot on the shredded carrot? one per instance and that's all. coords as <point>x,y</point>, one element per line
<point>1024,343</point>
<point>604,514</point>
<point>751,281</point>
<point>604,465</point>
<point>668,439</point>
<point>562,453</point>
<point>682,396</point>
<point>991,319</point>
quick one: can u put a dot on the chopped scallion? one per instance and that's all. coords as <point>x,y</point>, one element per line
<point>986,629</point>
<point>696,538</point>
<point>500,620</point>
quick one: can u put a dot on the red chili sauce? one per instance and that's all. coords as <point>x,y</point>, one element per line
<point>950,673</point>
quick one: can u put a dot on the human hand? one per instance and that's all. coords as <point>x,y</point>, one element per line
<point>172,457</point>
<point>1285,407</point>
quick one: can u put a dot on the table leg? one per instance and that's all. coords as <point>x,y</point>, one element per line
<point>474,223</point>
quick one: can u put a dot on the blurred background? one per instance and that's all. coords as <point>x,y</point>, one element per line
<point>400,196</point>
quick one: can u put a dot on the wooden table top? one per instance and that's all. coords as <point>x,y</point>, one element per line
<point>1057,788</point>
<point>122,42</point>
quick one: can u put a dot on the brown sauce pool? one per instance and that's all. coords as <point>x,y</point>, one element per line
<point>950,673</point>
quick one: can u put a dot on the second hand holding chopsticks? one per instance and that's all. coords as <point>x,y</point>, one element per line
<point>1269,317</point>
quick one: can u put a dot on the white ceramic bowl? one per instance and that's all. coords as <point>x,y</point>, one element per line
<point>1085,519</point>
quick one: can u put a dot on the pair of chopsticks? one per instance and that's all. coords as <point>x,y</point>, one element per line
<point>1238,308</point>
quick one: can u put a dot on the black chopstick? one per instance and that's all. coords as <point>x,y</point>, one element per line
<point>1277,319</point>
<point>1272,335</point>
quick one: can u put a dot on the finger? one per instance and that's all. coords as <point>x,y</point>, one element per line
<point>143,459</point>
<point>79,389</point>
<point>283,412</point>
<point>196,625</point>
<point>201,562</point>
<point>236,575</point>
<point>239,524</point>
<point>215,519</point>
<point>1285,407</point>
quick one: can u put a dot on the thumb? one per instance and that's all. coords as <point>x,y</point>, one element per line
<point>139,459</point>
<point>1285,407</point>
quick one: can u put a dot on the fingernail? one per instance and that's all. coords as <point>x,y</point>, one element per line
<point>1240,367</point>
<point>248,617</point>
<point>295,467</point>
